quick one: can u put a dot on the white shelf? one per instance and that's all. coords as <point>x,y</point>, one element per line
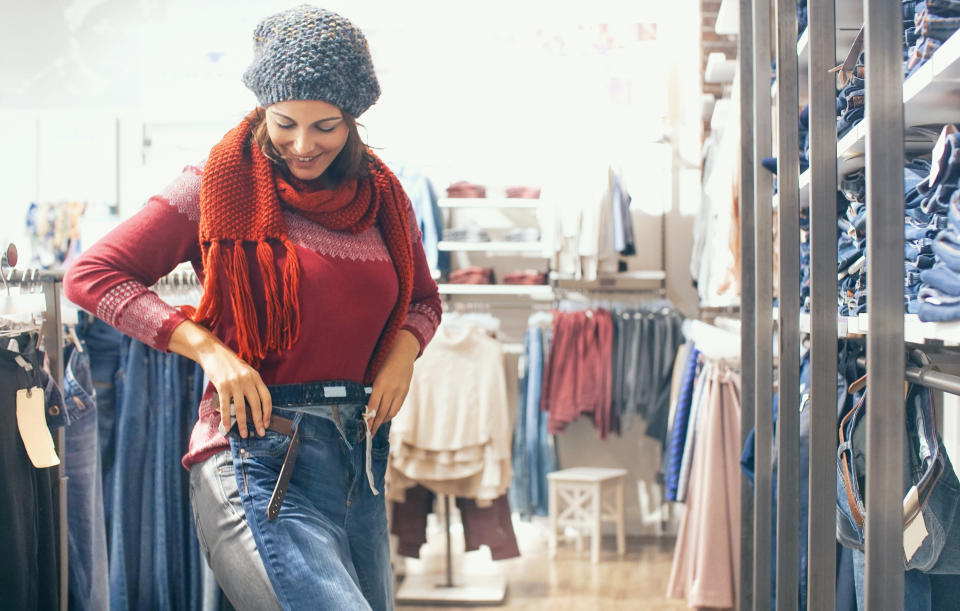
<point>534,291</point>
<point>488,202</point>
<point>914,330</point>
<point>490,247</point>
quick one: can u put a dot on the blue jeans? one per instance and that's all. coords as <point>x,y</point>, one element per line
<point>105,347</point>
<point>329,547</point>
<point>88,575</point>
<point>532,454</point>
<point>937,307</point>
<point>926,467</point>
<point>943,279</point>
<point>947,249</point>
<point>131,568</point>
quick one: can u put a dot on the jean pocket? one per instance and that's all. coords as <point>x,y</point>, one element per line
<point>271,445</point>
<point>381,443</point>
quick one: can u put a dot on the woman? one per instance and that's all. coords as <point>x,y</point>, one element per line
<point>315,284</point>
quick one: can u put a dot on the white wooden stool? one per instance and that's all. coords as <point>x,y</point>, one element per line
<point>582,491</point>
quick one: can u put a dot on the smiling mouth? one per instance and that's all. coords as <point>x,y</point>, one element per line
<point>304,159</point>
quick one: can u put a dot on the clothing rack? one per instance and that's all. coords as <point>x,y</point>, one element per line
<point>52,331</point>
<point>51,282</point>
<point>928,376</point>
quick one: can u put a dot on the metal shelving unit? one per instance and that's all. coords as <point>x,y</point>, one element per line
<point>894,109</point>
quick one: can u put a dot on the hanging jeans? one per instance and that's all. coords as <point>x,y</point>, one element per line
<point>28,564</point>
<point>329,546</point>
<point>104,344</point>
<point>88,583</point>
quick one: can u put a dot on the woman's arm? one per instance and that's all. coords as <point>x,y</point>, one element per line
<point>393,380</point>
<point>111,279</point>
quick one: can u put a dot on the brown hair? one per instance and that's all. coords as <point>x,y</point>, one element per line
<point>354,161</point>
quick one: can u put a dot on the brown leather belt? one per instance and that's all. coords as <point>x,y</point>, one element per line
<point>284,426</point>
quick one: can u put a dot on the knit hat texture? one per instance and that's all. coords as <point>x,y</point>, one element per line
<point>309,53</point>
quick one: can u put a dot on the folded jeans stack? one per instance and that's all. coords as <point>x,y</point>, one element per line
<point>934,21</point>
<point>850,101</point>
<point>922,210</point>
<point>852,244</point>
<point>931,232</point>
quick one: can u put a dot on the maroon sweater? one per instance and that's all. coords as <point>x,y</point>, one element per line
<point>347,291</point>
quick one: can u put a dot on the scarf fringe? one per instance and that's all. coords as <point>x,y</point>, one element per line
<point>271,294</point>
<point>244,312</point>
<point>291,295</point>
<point>211,304</point>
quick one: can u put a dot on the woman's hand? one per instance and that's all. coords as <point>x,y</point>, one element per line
<point>393,380</point>
<point>233,378</point>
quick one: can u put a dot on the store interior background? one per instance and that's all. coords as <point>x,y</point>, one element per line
<point>104,101</point>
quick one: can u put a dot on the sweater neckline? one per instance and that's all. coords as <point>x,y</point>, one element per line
<point>454,332</point>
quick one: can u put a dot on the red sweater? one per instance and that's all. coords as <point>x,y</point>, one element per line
<point>348,289</point>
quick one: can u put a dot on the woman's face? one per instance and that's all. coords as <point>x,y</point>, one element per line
<point>309,134</point>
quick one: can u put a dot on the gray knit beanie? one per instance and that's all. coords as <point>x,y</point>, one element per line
<point>309,53</point>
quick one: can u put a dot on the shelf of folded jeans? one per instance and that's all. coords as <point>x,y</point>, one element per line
<point>850,151</point>
<point>846,34</point>
<point>491,247</point>
<point>488,202</point>
<point>534,291</point>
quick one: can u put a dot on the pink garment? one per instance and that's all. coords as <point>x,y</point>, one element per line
<point>706,560</point>
<point>578,379</point>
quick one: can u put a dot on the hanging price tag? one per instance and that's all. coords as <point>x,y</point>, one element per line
<point>32,423</point>
<point>915,532</point>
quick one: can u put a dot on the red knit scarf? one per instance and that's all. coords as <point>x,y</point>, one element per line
<point>240,204</point>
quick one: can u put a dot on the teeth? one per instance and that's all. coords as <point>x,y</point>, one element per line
<point>306,159</point>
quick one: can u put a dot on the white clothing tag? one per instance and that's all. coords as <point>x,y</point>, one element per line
<point>13,346</point>
<point>915,532</point>
<point>334,391</point>
<point>32,422</point>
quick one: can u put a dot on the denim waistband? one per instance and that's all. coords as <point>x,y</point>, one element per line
<point>319,393</point>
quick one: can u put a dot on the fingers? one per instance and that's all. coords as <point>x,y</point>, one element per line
<point>266,402</point>
<point>373,405</point>
<point>389,406</point>
<point>224,410</point>
<point>240,412</point>
<point>252,396</point>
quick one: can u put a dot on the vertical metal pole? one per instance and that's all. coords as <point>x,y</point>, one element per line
<point>748,309</point>
<point>446,521</point>
<point>885,350</point>
<point>53,346</point>
<point>788,426</point>
<point>763,192</point>
<point>821,535</point>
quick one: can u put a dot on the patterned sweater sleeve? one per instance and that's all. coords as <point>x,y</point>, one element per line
<point>112,278</point>
<point>423,317</point>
